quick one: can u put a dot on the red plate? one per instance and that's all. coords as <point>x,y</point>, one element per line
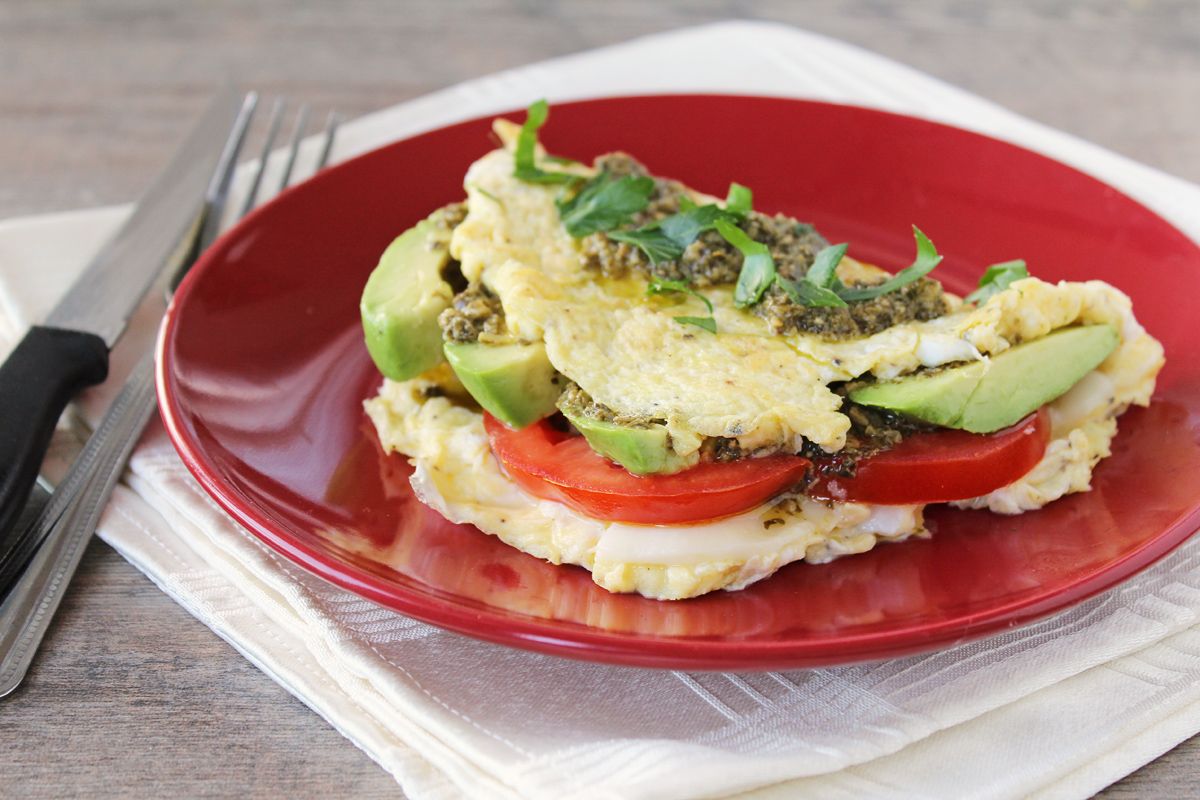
<point>263,372</point>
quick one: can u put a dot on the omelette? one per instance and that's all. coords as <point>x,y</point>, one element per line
<point>681,393</point>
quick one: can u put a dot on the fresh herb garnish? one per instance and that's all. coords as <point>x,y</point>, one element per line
<point>685,227</point>
<point>739,200</point>
<point>996,279</point>
<point>758,268</point>
<point>822,277</point>
<point>708,323</point>
<point>652,241</point>
<point>664,286</point>
<point>667,239</point>
<point>524,167</point>
<point>818,288</point>
<point>823,270</point>
<point>604,202</point>
<point>809,294</point>
<point>927,258</point>
<point>601,204</point>
<point>488,195</point>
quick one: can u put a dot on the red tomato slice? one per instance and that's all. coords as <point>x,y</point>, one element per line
<point>943,465</point>
<point>554,465</point>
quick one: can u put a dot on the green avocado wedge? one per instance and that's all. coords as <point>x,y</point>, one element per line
<point>642,451</point>
<point>516,383</point>
<point>982,397</point>
<point>402,300</point>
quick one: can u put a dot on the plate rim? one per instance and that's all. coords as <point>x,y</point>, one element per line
<point>573,640</point>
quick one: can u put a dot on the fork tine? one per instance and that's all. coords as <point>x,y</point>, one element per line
<point>263,157</point>
<point>331,126</point>
<point>294,147</point>
<point>218,187</point>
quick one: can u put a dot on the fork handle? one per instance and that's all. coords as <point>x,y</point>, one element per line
<point>39,378</point>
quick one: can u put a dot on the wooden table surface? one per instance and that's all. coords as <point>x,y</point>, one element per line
<point>131,697</point>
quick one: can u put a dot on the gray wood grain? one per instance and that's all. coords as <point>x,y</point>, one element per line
<point>134,698</point>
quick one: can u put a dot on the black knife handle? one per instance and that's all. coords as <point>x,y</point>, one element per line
<point>48,368</point>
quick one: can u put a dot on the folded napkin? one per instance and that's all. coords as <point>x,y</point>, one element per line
<point>1060,708</point>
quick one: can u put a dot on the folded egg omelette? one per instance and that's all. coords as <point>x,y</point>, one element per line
<point>652,336</point>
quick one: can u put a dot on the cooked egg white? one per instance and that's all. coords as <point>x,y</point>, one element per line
<point>626,351</point>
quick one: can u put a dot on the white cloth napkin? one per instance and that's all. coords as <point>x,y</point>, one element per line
<point>1058,709</point>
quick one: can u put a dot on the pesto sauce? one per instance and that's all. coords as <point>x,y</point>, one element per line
<point>473,313</point>
<point>575,402</point>
<point>712,261</point>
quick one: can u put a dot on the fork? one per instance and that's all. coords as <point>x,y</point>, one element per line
<point>70,515</point>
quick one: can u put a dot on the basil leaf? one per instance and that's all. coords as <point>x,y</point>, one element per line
<point>822,272</point>
<point>739,200</point>
<point>667,239</point>
<point>708,323</point>
<point>539,175</point>
<point>685,227</point>
<point>604,203</point>
<point>817,289</point>
<point>686,203</point>
<point>758,268</point>
<point>489,195</point>
<point>524,167</point>
<point>996,279</point>
<point>810,294</point>
<point>657,246</point>
<point>927,258</point>
<point>535,117</point>
<point>664,286</point>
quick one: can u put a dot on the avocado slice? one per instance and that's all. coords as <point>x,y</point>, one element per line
<point>402,300</point>
<point>937,397</point>
<point>642,451</point>
<point>516,383</point>
<point>982,397</point>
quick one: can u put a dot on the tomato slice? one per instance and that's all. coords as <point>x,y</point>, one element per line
<point>943,465</point>
<point>555,465</point>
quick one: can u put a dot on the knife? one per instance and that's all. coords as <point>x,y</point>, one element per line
<point>69,352</point>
